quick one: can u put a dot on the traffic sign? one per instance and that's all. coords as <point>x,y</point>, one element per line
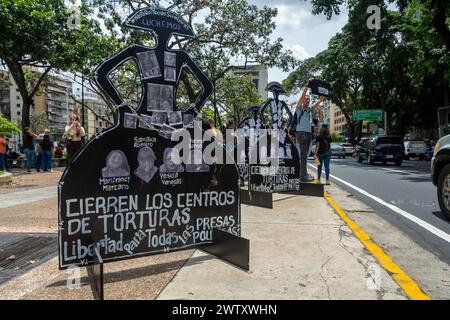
<point>370,114</point>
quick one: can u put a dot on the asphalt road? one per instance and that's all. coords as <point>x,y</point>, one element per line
<point>408,188</point>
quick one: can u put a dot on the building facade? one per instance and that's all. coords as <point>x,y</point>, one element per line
<point>338,123</point>
<point>260,77</point>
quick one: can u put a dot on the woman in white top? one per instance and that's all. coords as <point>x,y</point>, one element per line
<point>74,136</point>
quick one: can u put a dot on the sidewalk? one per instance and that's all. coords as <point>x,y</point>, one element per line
<point>300,249</point>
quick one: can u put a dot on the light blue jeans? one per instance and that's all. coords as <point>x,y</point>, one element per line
<point>29,153</point>
<point>325,159</point>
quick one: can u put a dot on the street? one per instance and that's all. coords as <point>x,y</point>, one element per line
<point>408,198</point>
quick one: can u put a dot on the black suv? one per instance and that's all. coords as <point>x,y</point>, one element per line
<point>440,173</point>
<point>381,148</point>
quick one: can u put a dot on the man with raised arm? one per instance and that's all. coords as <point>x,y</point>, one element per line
<point>301,124</point>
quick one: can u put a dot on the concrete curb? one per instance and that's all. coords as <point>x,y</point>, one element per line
<point>5,178</point>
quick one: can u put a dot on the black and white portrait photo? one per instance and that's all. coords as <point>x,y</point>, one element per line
<point>160,97</point>
<point>170,74</point>
<point>188,120</point>
<point>149,64</point>
<point>145,121</point>
<point>130,120</point>
<point>175,118</point>
<point>159,118</point>
<point>146,160</point>
<point>116,165</point>
<point>172,161</point>
<point>170,59</point>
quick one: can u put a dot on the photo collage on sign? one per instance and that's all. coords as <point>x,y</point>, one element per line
<point>170,63</point>
<point>117,164</point>
<point>149,64</point>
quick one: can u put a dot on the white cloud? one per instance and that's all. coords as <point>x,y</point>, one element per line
<point>299,52</point>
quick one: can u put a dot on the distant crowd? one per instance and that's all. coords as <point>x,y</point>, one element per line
<point>38,150</point>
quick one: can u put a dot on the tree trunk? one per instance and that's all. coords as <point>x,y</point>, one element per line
<point>26,112</point>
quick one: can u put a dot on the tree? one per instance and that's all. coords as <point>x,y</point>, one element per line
<point>36,38</point>
<point>402,68</point>
<point>234,95</point>
<point>39,122</point>
<point>229,30</point>
<point>8,127</point>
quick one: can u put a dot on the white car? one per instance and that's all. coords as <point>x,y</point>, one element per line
<point>337,150</point>
<point>348,147</point>
<point>415,149</point>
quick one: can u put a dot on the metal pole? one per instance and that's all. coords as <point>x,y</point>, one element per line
<point>82,100</point>
<point>385,123</point>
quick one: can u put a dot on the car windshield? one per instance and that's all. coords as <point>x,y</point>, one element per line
<point>389,140</point>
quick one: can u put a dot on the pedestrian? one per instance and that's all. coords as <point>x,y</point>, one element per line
<point>301,125</point>
<point>214,132</point>
<point>74,136</point>
<point>3,146</point>
<point>46,152</point>
<point>28,146</point>
<point>37,153</point>
<point>7,154</point>
<point>323,154</point>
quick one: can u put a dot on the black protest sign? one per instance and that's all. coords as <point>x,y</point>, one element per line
<point>321,88</point>
<point>272,161</point>
<point>125,194</point>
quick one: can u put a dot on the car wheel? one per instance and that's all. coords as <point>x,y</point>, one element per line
<point>343,157</point>
<point>398,163</point>
<point>421,158</point>
<point>407,157</point>
<point>358,158</point>
<point>383,163</point>
<point>370,160</point>
<point>443,191</point>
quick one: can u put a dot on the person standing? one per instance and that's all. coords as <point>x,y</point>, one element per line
<point>74,135</point>
<point>46,152</point>
<point>323,154</point>
<point>301,124</point>
<point>3,146</point>
<point>28,146</point>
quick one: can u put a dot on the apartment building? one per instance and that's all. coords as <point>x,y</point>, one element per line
<point>259,74</point>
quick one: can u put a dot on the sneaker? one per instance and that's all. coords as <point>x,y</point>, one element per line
<point>316,181</point>
<point>327,182</point>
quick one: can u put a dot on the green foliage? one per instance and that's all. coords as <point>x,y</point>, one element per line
<point>335,137</point>
<point>8,127</point>
<point>36,33</point>
<point>234,95</point>
<point>39,122</point>
<point>402,68</point>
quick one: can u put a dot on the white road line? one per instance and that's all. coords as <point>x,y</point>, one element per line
<point>23,197</point>
<point>408,173</point>
<point>436,231</point>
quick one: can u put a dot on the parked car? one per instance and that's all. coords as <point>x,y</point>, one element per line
<point>348,147</point>
<point>440,173</point>
<point>381,148</point>
<point>337,150</point>
<point>429,152</point>
<point>415,149</point>
<point>360,143</point>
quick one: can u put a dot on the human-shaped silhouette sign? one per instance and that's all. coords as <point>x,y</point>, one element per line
<point>286,176</point>
<point>124,194</point>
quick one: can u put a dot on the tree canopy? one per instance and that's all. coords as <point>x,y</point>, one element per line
<point>402,68</point>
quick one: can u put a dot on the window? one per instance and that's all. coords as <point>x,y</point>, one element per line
<point>256,83</point>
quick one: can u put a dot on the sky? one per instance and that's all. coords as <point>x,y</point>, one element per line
<point>303,33</point>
